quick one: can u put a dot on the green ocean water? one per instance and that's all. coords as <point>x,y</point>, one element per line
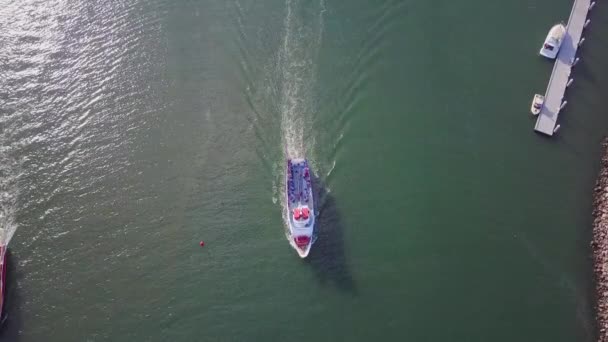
<point>132,130</point>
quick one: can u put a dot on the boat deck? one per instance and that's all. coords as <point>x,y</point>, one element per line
<point>547,118</point>
<point>301,193</point>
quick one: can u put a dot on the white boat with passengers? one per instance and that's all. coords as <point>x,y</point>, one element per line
<point>300,206</point>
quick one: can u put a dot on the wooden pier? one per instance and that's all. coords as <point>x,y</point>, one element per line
<point>560,76</point>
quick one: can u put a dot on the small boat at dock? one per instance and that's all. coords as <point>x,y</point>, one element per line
<point>553,41</point>
<point>537,104</point>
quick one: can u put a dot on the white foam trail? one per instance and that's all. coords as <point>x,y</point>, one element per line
<point>333,166</point>
<point>290,64</point>
<point>297,66</point>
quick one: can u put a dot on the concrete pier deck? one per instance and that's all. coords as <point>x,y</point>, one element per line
<point>547,118</point>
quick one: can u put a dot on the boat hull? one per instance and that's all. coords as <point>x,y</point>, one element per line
<point>300,206</point>
<point>302,251</point>
<point>553,42</point>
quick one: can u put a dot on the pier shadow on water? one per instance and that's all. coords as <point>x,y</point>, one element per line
<point>12,322</point>
<point>327,256</point>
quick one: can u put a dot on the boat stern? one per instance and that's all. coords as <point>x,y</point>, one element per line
<point>548,51</point>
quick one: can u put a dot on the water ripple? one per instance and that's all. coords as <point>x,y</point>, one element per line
<point>73,107</point>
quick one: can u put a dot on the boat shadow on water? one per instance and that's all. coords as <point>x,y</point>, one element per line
<point>327,256</point>
<point>11,320</point>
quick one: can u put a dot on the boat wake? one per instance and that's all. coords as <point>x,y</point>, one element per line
<point>297,60</point>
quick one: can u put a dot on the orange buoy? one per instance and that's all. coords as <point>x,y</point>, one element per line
<point>202,243</point>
